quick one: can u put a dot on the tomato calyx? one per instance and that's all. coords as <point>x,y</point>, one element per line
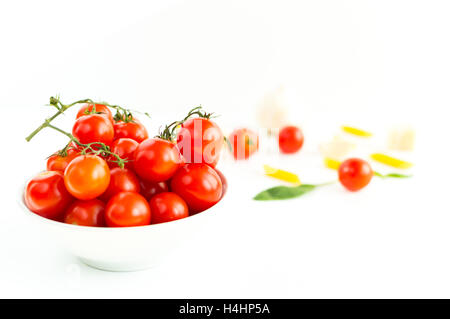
<point>123,116</point>
<point>169,131</point>
<point>92,111</point>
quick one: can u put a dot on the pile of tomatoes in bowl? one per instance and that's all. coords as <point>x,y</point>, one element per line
<point>112,174</point>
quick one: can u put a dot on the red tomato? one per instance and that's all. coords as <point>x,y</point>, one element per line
<point>87,177</point>
<point>355,174</point>
<point>93,128</point>
<point>224,182</point>
<point>122,180</point>
<point>244,143</point>
<point>124,147</point>
<point>127,209</point>
<point>99,109</point>
<point>150,189</point>
<point>166,207</point>
<point>156,160</point>
<point>86,213</point>
<point>134,130</point>
<point>199,185</point>
<point>200,141</point>
<point>46,195</point>
<point>59,163</point>
<point>290,139</point>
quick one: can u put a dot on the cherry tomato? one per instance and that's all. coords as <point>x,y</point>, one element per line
<point>47,196</point>
<point>200,141</point>
<point>86,213</point>
<point>224,182</point>
<point>127,209</point>
<point>199,185</point>
<point>355,174</point>
<point>156,160</point>
<point>122,180</point>
<point>133,129</point>
<point>124,147</point>
<point>93,128</point>
<point>166,207</point>
<point>150,189</point>
<point>59,163</point>
<point>101,109</point>
<point>87,177</point>
<point>290,139</point>
<point>244,143</point>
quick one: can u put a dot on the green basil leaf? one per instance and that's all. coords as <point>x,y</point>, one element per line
<point>284,192</point>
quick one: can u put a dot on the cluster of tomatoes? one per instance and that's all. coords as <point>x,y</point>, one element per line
<point>112,174</point>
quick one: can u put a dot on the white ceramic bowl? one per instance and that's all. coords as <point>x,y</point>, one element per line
<point>126,248</point>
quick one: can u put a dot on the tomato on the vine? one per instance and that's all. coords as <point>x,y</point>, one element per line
<point>150,189</point>
<point>199,185</point>
<point>58,162</point>
<point>132,129</point>
<point>355,174</point>
<point>87,177</point>
<point>93,128</point>
<point>127,209</point>
<point>200,140</point>
<point>122,180</point>
<point>244,143</point>
<point>156,160</point>
<point>290,139</point>
<point>166,207</point>
<point>86,213</point>
<point>47,196</point>
<point>100,109</point>
<point>124,148</point>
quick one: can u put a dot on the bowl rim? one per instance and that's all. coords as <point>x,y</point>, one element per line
<point>173,223</point>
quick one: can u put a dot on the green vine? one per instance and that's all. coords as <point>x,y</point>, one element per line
<point>122,114</point>
<point>168,133</point>
<point>95,148</point>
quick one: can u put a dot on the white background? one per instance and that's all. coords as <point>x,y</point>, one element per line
<point>369,63</point>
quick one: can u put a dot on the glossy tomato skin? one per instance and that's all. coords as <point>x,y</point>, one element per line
<point>199,185</point>
<point>93,128</point>
<point>134,130</point>
<point>244,143</point>
<point>87,177</point>
<point>86,213</point>
<point>200,141</point>
<point>47,196</point>
<point>150,189</point>
<point>59,163</point>
<point>100,109</point>
<point>166,207</point>
<point>355,174</point>
<point>127,209</point>
<point>122,180</point>
<point>156,160</point>
<point>290,139</point>
<point>125,148</point>
<point>224,181</point>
